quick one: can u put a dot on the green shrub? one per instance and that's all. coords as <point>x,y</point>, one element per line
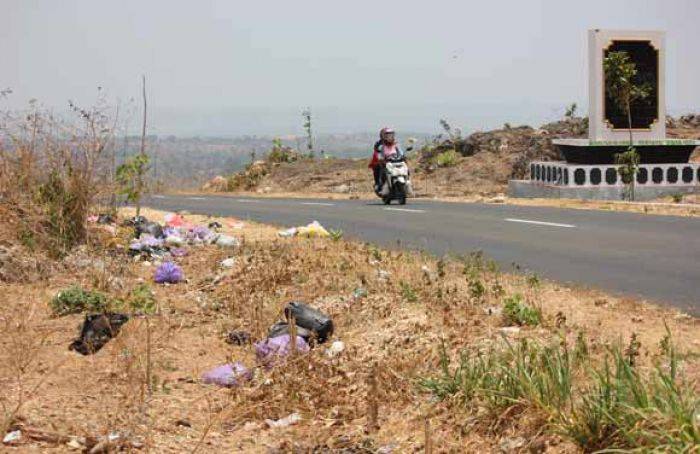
<point>408,293</point>
<point>447,158</point>
<point>335,235</point>
<point>516,312</point>
<point>142,300</point>
<point>75,299</point>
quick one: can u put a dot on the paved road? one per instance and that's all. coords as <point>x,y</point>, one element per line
<point>656,257</point>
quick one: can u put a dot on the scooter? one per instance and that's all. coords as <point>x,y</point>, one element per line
<point>397,181</point>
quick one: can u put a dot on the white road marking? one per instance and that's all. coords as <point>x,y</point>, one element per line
<point>550,224</point>
<point>196,198</point>
<point>158,196</point>
<point>247,200</point>
<point>407,210</point>
<point>323,204</point>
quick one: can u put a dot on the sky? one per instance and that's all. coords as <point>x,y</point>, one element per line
<point>231,68</point>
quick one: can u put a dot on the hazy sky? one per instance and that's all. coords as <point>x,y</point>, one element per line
<point>234,67</point>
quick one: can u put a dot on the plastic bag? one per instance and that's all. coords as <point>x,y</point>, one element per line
<point>228,375</point>
<point>96,331</point>
<point>150,228</point>
<point>281,328</point>
<point>315,229</point>
<point>270,352</point>
<point>168,272</point>
<point>311,319</point>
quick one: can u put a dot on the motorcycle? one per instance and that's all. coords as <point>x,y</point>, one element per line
<point>396,181</point>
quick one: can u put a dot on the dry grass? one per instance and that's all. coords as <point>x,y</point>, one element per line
<point>366,398</point>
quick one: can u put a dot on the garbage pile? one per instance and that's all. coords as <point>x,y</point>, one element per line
<point>163,242</point>
<point>301,329</point>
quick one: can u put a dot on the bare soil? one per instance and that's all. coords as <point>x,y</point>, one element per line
<point>391,339</point>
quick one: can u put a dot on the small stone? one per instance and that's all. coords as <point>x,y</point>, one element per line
<point>510,330</point>
<point>637,319</point>
<point>335,349</point>
<point>183,423</point>
<point>284,422</point>
<point>511,444</point>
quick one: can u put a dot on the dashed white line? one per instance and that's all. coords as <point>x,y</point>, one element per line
<point>247,200</point>
<point>407,210</point>
<point>196,198</point>
<point>156,196</point>
<point>550,224</point>
<point>323,204</point>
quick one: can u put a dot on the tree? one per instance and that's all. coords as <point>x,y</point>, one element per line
<point>306,114</point>
<point>130,174</point>
<point>621,86</point>
<point>571,111</point>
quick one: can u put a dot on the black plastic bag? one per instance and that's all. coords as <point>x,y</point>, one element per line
<point>96,331</point>
<point>310,319</point>
<point>151,228</point>
<point>281,328</point>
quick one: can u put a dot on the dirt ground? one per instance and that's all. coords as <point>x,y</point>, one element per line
<point>145,386</point>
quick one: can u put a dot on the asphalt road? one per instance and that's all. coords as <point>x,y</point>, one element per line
<point>655,257</point>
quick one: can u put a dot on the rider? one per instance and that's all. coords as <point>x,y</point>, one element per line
<point>384,148</point>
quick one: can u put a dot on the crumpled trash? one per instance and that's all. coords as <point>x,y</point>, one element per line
<point>174,240</point>
<point>271,351</point>
<point>228,263</point>
<point>174,220</point>
<point>290,232</point>
<point>12,437</point>
<point>96,331</point>
<point>178,252</point>
<point>284,422</point>
<point>335,349</point>
<point>105,218</point>
<point>237,337</point>
<point>359,292</point>
<point>168,272</point>
<point>280,328</point>
<point>227,241</point>
<point>151,228</point>
<point>199,232</point>
<point>232,374</point>
<point>311,319</point>
<point>315,229</point>
<point>134,221</point>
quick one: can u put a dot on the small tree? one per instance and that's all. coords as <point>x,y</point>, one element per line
<point>571,111</point>
<point>306,114</point>
<point>623,89</point>
<point>131,174</point>
<point>130,178</point>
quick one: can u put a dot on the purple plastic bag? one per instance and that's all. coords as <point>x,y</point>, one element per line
<point>178,252</point>
<point>269,351</point>
<point>228,375</point>
<point>146,241</point>
<point>170,231</point>
<point>168,272</point>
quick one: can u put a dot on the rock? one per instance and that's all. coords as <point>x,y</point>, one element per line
<point>510,330</point>
<point>508,445</point>
<point>383,275</point>
<point>183,423</point>
<point>341,189</point>
<point>493,310</point>
<point>217,184</point>
<point>284,422</point>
